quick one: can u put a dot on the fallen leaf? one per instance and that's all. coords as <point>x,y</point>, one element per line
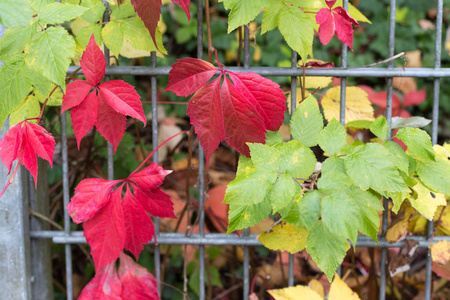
<point>399,224</point>
<point>340,290</point>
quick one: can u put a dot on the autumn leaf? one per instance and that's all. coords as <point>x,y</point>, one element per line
<point>104,105</point>
<point>285,237</point>
<point>337,20</point>
<point>357,107</point>
<point>238,111</point>
<point>113,220</point>
<point>24,141</point>
<point>106,285</point>
<point>137,282</point>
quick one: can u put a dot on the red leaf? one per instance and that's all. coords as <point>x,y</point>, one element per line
<point>335,20</point>
<point>105,232</point>
<point>319,64</point>
<point>150,177</point>
<point>110,124</point>
<point>123,98</point>
<point>188,75</point>
<point>84,116</point>
<point>414,97</point>
<point>149,11</point>
<point>242,122</point>
<point>106,106</point>
<point>155,202</point>
<point>24,141</point>
<point>137,282</point>
<point>93,62</point>
<point>241,112</point>
<point>90,196</point>
<point>9,145</point>
<point>105,286</point>
<point>380,98</point>
<point>139,228</point>
<point>184,4</point>
<point>76,92</point>
<point>208,126</point>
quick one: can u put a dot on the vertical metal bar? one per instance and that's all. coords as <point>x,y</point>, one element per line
<point>246,287</point>
<point>153,83</point>
<point>390,91</point>
<point>201,166</point>
<point>293,107</point>
<point>434,133</point>
<point>343,101</point>
<point>110,150</point>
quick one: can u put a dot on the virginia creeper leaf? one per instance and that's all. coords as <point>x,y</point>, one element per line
<point>149,11</point>
<point>307,122</point>
<point>50,52</point>
<point>242,12</point>
<point>284,237</point>
<point>106,285</point>
<point>333,138</point>
<point>108,103</point>
<point>24,141</point>
<point>137,282</point>
<point>184,4</point>
<point>240,112</point>
<point>372,166</point>
<point>418,143</point>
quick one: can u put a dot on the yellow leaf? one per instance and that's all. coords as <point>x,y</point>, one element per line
<point>339,290</point>
<point>317,286</point>
<point>400,224</point>
<point>443,152</point>
<point>314,82</point>
<point>444,224</point>
<point>427,201</point>
<point>285,237</point>
<point>29,108</point>
<point>358,106</point>
<point>298,292</point>
<point>54,100</point>
<point>440,252</point>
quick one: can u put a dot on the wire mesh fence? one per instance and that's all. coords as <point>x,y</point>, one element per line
<point>17,234</point>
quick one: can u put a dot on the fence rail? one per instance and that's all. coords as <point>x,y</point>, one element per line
<point>19,228</point>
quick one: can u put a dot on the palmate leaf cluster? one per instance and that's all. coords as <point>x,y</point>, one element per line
<point>328,204</point>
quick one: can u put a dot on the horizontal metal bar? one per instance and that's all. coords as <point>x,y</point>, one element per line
<point>221,239</point>
<point>275,71</point>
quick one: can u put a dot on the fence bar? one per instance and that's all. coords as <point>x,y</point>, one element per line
<point>246,230</point>
<point>288,72</point>
<point>434,135</point>
<point>343,102</point>
<point>390,91</point>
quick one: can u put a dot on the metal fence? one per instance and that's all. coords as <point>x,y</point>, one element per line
<point>24,240</point>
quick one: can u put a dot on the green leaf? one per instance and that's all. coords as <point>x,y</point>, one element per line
<point>293,216</point>
<point>291,158</point>
<point>380,127</point>
<point>94,12</point>
<point>333,138</point>
<point>282,193</point>
<point>285,237</point>
<point>369,205</point>
<point>37,5</point>
<point>418,142</point>
<point>427,202</point>
<point>273,137</point>
<point>113,37</point>
<point>333,164</point>
<point>243,216</point>
<point>15,85</point>
<point>85,33</point>
<point>15,13</point>
<point>58,13</point>
<point>242,12</point>
<point>340,214</point>
<point>398,198</point>
<point>435,175</point>
<point>14,40</point>
<point>297,29</point>
<point>112,2</point>
<point>334,181</point>
<point>307,122</point>
<point>123,11</point>
<point>401,160</point>
<point>372,166</point>
<point>326,248</point>
<point>50,53</point>
<point>29,108</point>
<point>134,30</point>
<point>270,16</point>
<point>359,124</point>
<point>310,208</point>
<point>194,279</point>
<point>54,100</point>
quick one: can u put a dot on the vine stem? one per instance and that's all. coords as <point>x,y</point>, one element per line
<point>156,149</point>
<point>11,180</point>
<point>208,30</point>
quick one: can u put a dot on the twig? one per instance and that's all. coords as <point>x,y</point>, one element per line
<point>401,54</point>
<point>240,47</point>
<point>11,180</point>
<point>303,83</point>
<point>45,218</point>
<point>208,29</point>
<point>227,291</point>
<point>139,137</point>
